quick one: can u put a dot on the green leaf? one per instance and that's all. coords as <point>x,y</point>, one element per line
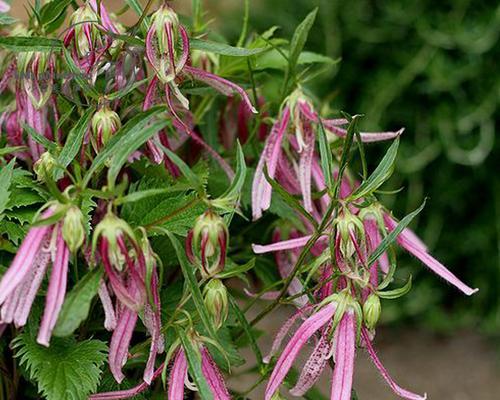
<point>11,149</point>
<point>273,59</point>
<point>130,132</point>
<point>391,237</point>
<point>232,269</point>
<point>194,362</point>
<point>5,181</point>
<point>74,140</point>
<point>26,43</point>
<point>395,293</point>
<point>325,156</point>
<point>65,370</point>
<point>52,12</point>
<point>299,38</point>
<point>383,172</point>
<point>239,178</point>
<point>144,194</point>
<point>344,160</point>
<point>88,89</point>
<point>188,270</point>
<point>14,232</point>
<point>77,304</point>
<point>135,5</point>
<point>7,19</point>
<point>224,49</point>
<point>247,329</point>
<point>51,146</point>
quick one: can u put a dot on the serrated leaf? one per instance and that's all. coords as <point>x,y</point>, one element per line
<point>194,362</point>
<point>74,140</point>
<point>5,181</point>
<point>26,43</point>
<point>300,37</point>
<point>383,172</point>
<point>67,369</point>
<point>224,49</point>
<point>134,125</point>
<point>391,237</point>
<point>77,304</point>
<point>14,232</point>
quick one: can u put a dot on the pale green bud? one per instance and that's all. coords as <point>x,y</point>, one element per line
<point>44,166</point>
<point>371,311</point>
<point>73,229</point>
<point>105,123</point>
<point>216,301</point>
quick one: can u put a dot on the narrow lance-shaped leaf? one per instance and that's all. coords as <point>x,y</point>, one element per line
<point>137,123</point>
<point>188,272</point>
<point>194,362</point>
<point>224,49</point>
<point>325,156</point>
<point>247,329</point>
<point>5,181</point>
<point>51,146</point>
<point>383,172</point>
<point>239,177</point>
<point>300,37</point>
<point>74,140</point>
<point>77,304</point>
<point>76,74</point>
<point>391,237</point>
<point>128,144</point>
<point>344,160</point>
<point>22,43</point>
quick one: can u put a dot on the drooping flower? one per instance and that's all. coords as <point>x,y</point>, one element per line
<point>43,245</point>
<point>296,130</point>
<point>130,267</point>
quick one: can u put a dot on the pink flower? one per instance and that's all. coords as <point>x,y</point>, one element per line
<point>4,7</point>
<point>19,285</point>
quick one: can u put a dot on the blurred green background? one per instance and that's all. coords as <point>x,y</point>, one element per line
<point>431,67</point>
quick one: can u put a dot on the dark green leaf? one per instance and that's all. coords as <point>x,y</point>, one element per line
<point>300,37</point>
<point>391,237</point>
<point>5,181</point>
<point>383,172</point>
<point>326,156</point>
<point>239,178</point>
<point>224,49</point>
<point>74,140</point>
<point>51,146</point>
<point>25,43</point>
<point>77,304</point>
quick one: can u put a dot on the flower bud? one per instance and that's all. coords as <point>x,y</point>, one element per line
<point>44,166</point>
<point>371,311</point>
<point>73,229</point>
<point>215,296</point>
<point>84,20</point>
<point>206,243</point>
<point>105,123</point>
<point>163,17</point>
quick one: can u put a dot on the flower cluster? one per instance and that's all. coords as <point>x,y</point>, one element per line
<point>118,146</point>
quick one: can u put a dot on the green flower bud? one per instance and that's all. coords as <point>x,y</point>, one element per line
<point>84,19</point>
<point>105,123</point>
<point>44,166</point>
<point>215,296</point>
<point>160,19</point>
<point>371,311</point>
<point>73,230</point>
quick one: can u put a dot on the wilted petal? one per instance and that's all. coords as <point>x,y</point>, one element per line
<point>299,339</point>
<point>313,367</point>
<point>177,377</point>
<point>406,241</point>
<point>405,394</point>
<point>213,376</point>
<point>55,292</point>
<point>345,349</point>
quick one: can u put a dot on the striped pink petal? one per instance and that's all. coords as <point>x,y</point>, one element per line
<point>345,350</point>
<point>213,376</point>
<point>55,292</point>
<point>403,393</point>
<point>374,238</point>
<point>107,305</point>
<point>177,377</point>
<point>406,241</point>
<point>120,341</point>
<point>310,326</point>
<point>283,245</point>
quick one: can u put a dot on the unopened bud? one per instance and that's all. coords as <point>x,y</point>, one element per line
<point>84,20</point>
<point>215,296</point>
<point>371,311</point>
<point>163,17</point>
<point>105,123</point>
<point>44,166</point>
<point>73,230</point>
<point>207,243</point>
